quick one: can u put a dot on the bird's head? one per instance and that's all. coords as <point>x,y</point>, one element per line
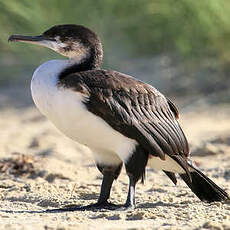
<point>73,41</point>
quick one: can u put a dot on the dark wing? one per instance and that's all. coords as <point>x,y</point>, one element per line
<point>133,108</point>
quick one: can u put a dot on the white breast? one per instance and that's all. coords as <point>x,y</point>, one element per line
<point>65,108</point>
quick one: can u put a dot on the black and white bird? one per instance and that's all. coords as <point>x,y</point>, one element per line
<point>121,119</point>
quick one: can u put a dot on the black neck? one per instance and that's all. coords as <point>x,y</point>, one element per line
<point>93,61</point>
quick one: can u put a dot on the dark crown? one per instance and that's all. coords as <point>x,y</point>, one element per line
<point>72,32</point>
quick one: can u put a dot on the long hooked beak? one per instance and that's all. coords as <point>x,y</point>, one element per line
<point>37,40</point>
<point>27,39</point>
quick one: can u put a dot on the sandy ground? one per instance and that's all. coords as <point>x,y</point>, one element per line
<point>63,173</point>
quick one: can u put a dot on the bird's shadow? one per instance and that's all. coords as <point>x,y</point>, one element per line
<point>53,210</point>
<point>72,208</point>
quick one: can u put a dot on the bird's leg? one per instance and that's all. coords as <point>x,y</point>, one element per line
<point>130,201</point>
<point>135,167</point>
<point>110,173</point>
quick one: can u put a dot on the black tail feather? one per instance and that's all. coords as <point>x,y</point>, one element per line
<point>172,176</point>
<point>204,188</point>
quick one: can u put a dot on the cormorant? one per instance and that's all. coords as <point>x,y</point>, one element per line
<point>121,119</point>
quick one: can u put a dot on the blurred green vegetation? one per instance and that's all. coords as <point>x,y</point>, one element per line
<point>188,28</point>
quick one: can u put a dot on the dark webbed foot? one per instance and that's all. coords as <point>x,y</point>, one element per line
<point>103,205</point>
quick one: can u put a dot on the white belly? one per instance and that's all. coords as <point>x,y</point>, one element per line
<point>65,108</point>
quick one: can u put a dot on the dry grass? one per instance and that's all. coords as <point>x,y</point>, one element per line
<point>17,165</point>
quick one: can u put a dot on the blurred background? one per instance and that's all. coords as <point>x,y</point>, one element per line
<point>181,47</point>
